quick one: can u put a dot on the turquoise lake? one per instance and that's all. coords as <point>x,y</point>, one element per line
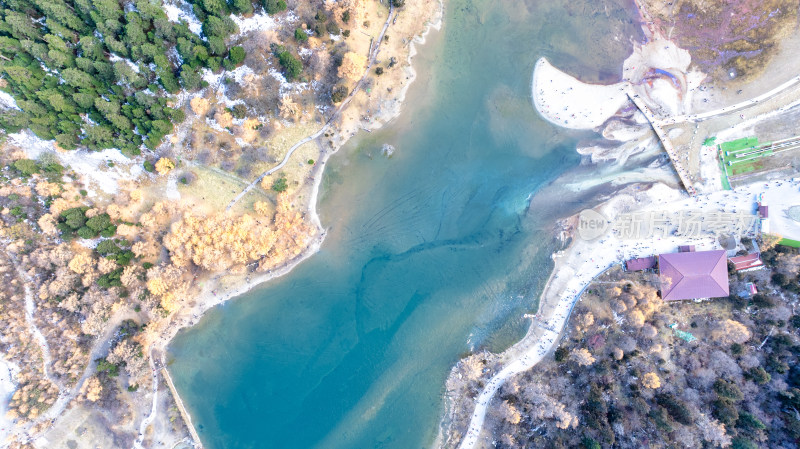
<point>430,254</point>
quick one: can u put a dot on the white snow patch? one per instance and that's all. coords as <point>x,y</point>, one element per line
<point>278,76</point>
<point>239,73</point>
<point>32,145</point>
<point>49,70</point>
<point>172,189</point>
<point>216,81</point>
<point>323,109</point>
<point>305,52</point>
<point>177,13</point>
<point>213,79</point>
<point>289,18</point>
<point>286,86</point>
<point>231,103</point>
<point>8,371</point>
<point>7,101</point>
<point>241,142</point>
<point>257,22</point>
<point>216,126</point>
<point>174,56</point>
<point>93,165</point>
<point>115,58</point>
<point>89,243</point>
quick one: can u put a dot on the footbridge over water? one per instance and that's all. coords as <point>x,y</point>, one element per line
<point>674,156</point>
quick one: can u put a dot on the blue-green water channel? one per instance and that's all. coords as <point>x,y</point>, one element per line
<point>430,254</point>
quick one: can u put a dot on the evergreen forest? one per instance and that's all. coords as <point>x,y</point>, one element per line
<point>101,73</point>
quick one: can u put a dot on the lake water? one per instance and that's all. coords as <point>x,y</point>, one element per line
<point>430,254</point>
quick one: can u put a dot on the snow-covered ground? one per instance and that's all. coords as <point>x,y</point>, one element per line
<point>257,22</point>
<point>286,86</point>
<point>710,172</point>
<point>182,10</point>
<point>7,386</point>
<point>172,188</point>
<point>93,165</point>
<point>657,71</point>
<point>779,200</point>
<point>585,260</point>
<point>660,70</point>
<point>215,81</point>
<point>7,101</point>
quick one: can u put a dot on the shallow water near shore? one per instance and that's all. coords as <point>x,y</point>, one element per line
<point>430,254</point>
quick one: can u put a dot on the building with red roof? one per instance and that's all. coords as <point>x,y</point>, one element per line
<point>747,262</point>
<point>693,275</point>
<point>644,263</point>
<point>596,341</point>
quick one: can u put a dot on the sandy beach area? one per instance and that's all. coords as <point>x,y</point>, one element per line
<point>570,103</point>
<point>658,74</point>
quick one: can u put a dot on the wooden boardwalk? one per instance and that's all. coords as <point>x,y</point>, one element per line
<point>185,414</point>
<point>674,157</point>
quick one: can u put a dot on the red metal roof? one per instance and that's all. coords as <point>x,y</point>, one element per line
<point>693,275</point>
<point>763,211</point>
<point>686,248</point>
<point>745,262</point>
<point>596,341</point>
<point>645,263</point>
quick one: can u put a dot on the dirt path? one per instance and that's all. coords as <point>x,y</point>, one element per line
<point>158,364</point>
<point>541,338</point>
<point>100,348</point>
<point>530,358</point>
<point>30,308</point>
<point>732,108</point>
<point>578,266</point>
<point>137,444</point>
<point>372,56</point>
<point>187,418</point>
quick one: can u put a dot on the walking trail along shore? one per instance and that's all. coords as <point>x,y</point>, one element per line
<point>577,266</point>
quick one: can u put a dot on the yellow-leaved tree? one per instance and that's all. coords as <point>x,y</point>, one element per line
<point>582,357</point>
<point>651,381</point>
<point>353,65</point>
<point>164,165</point>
